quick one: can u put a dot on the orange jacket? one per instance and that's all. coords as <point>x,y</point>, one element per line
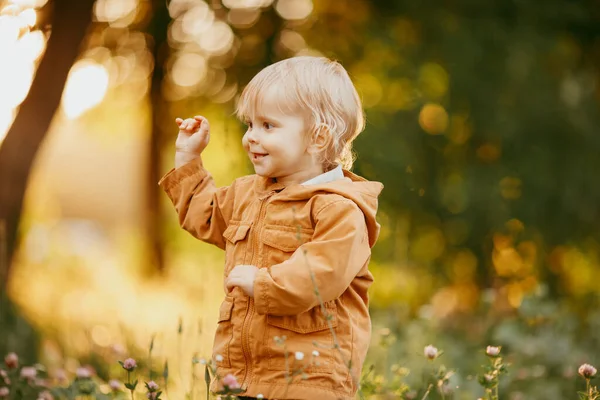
<point>298,236</point>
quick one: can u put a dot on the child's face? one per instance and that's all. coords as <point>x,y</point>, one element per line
<point>277,144</point>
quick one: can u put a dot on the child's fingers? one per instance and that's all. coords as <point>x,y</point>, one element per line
<point>230,283</point>
<point>202,121</point>
<point>188,124</point>
<point>191,124</point>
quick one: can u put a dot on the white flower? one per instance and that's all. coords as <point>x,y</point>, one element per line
<point>219,358</point>
<point>587,371</point>
<point>202,361</point>
<point>492,351</point>
<point>299,356</point>
<point>28,372</point>
<point>315,353</point>
<point>431,352</point>
<point>260,396</point>
<point>83,373</point>
<point>45,395</point>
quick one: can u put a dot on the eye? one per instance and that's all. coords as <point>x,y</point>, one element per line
<point>267,125</point>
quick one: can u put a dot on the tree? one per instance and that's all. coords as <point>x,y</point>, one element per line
<point>70,20</point>
<point>158,31</point>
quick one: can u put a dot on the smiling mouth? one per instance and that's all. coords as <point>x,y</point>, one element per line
<point>258,156</point>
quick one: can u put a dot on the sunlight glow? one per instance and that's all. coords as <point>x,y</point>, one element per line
<point>85,88</point>
<point>32,45</point>
<point>226,94</point>
<point>11,10</point>
<point>292,40</point>
<point>9,31</point>
<point>15,81</point>
<point>114,10</point>
<point>23,48</point>
<point>29,3</point>
<point>189,69</point>
<point>7,117</point>
<point>28,16</point>
<point>197,20</point>
<point>294,9</point>
<point>178,7</point>
<point>243,17</point>
<point>232,4</point>
<point>218,40</point>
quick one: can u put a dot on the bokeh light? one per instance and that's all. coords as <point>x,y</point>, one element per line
<point>294,9</point>
<point>15,80</point>
<point>243,17</point>
<point>433,80</point>
<point>219,40</point>
<point>189,69</point>
<point>197,20</point>
<point>116,12</point>
<point>29,3</point>
<point>292,40</point>
<point>86,86</point>
<point>433,118</point>
<point>245,4</point>
<point>25,46</point>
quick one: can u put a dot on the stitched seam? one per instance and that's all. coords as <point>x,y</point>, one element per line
<point>344,200</point>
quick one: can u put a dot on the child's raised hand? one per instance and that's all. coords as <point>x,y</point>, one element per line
<point>242,276</point>
<point>194,135</point>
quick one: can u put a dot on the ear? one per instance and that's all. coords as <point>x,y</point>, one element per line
<point>320,140</point>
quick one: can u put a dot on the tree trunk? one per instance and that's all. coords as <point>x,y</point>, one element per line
<point>70,19</point>
<point>17,153</point>
<point>154,229</point>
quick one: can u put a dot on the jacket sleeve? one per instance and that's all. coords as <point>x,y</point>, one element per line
<point>337,252</point>
<point>203,209</point>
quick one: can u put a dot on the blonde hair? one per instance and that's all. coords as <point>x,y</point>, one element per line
<point>319,87</point>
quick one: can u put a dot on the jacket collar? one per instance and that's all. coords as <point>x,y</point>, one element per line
<point>264,185</point>
<point>326,177</point>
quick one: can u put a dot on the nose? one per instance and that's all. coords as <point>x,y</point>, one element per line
<point>251,137</point>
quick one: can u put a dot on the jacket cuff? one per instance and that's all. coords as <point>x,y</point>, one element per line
<point>176,175</point>
<point>261,291</point>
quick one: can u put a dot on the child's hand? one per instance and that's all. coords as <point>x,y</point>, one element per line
<point>242,276</point>
<point>193,137</point>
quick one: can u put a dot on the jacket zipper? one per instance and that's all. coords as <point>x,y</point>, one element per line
<point>250,310</point>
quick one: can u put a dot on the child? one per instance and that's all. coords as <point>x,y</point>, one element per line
<point>300,223</point>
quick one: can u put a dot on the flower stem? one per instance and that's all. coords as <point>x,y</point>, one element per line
<point>427,392</point>
<point>129,382</point>
<point>288,376</point>
<point>588,389</point>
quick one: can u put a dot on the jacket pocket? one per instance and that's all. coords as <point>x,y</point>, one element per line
<point>282,241</point>
<point>235,244</point>
<point>224,333</point>
<point>287,336</point>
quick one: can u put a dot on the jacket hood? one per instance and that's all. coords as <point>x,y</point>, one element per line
<point>362,192</point>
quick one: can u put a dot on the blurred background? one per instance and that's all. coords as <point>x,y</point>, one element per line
<point>483,124</point>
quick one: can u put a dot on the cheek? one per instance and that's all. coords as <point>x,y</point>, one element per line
<point>245,141</point>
